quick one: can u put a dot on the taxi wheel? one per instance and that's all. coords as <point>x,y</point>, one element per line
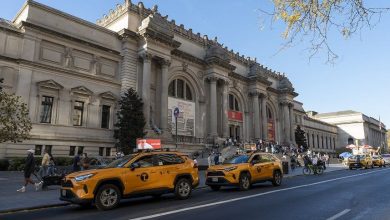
<point>245,182</point>
<point>183,188</point>
<point>215,188</point>
<point>107,197</point>
<point>277,178</point>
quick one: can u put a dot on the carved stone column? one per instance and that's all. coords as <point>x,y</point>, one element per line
<point>256,114</point>
<point>164,95</point>
<point>146,74</point>
<point>129,70</point>
<point>264,120</point>
<point>291,116</point>
<point>286,123</point>
<point>225,109</point>
<point>213,107</point>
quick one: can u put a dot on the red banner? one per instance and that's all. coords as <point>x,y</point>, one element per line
<point>271,130</point>
<point>143,144</point>
<point>235,116</point>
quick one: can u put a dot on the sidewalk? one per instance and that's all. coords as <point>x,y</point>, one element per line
<point>10,200</point>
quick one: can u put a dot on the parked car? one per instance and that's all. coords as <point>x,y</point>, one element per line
<point>140,174</point>
<point>386,158</point>
<point>245,170</point>
<point>360,161</point>
<point>377,160</point>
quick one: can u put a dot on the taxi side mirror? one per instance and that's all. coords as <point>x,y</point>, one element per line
<point>134,165</point>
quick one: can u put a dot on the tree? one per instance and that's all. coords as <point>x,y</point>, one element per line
<point>15,124</point>
<point>131,121</point>
<point>300,137</point>
<point>314,19</point>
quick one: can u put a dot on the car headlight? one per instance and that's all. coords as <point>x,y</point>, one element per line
<point>230,169</point>
<point>83,177</point>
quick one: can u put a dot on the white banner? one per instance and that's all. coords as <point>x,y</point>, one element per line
<point>186,119</point>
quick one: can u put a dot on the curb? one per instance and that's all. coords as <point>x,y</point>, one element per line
<point>8,211</point>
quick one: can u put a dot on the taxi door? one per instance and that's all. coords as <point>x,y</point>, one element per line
<point>144,177</point>
<point>255,167</point>
<point>169,166</point>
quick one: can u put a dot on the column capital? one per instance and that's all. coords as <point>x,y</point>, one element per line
<point>146,56</point>
<point>165,62</point>
<point>286,103</point>
<point>263,95</point>
<point>212,79</point>
<point>254,93</point>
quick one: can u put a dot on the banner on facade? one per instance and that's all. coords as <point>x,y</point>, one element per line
<point>185,119</point>
<point>271,130</point>
<point>235,116</point>
<point>148,144</point>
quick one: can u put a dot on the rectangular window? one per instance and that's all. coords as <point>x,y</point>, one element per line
<point>105,116</point>
<point>101,150</point>
<point>108,151</point>
<point>38,150</point>
<point>72,150</point>
<point>78,111</point>
<point>48,148</point>
<point>80,150</point>
<point>46,109</point>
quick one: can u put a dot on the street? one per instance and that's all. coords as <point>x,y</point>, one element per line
<point>344,194</point>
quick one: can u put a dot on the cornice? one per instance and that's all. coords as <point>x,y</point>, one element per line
<point>187,56</point>
<point>222,63</point>
<point>68,37</point>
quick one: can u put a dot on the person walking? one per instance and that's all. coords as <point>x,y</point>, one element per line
<point>85,162</point>
<point>220,159</point>
<point>44,165</point>
<point>216,159</point>
<point>28,170</point>
<point>50,168</point>
<point>209,160</point>
<point>76,162</point>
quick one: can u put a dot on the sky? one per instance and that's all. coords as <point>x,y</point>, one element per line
<point>359,80</point>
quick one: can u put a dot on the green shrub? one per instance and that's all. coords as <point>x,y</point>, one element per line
<point>16,164</point>
<point>63,161</point>
<point>4,163</point>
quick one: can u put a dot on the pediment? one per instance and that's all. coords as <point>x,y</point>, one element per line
<point>50,84</point>
<point>107,95</point>
<point>81,90</point>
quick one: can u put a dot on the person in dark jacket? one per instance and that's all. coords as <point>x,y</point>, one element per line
<point>28,170</point>
<point>77,162</point>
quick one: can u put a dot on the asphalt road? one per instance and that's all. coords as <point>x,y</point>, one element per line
<point>345,194</point>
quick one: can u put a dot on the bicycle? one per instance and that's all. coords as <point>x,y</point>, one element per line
<point>307,170</point>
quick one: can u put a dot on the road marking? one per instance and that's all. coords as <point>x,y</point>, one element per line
<point>3,178</point>
<point>251,196</point>
<point>338,215</point>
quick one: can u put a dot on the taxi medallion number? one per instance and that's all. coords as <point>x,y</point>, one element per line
<point>214,179</point>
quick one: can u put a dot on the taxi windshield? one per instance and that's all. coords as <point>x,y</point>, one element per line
<point>121,161</point>
<point>237,159</point>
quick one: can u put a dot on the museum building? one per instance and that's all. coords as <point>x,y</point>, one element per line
<point>71,74</point>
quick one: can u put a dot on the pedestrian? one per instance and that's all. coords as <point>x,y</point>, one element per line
<point>50,168</point>
<point>85,162</point>
<point>216,159</point>
<point>209,160</point>
<point>44,165</point>
<point>220,159</point>
<point>76,162</point>
<point>28,170</point>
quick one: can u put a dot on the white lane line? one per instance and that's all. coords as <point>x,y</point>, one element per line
<point>251,196</point>
<point>338,215</point>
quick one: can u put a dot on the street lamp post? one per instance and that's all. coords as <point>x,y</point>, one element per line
<point>176,113</point>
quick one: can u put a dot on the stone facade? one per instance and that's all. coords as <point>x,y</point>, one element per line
<point>355,126</point>
<point>321,136</point>
<point>71,73</point>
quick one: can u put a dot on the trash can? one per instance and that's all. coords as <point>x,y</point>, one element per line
<point>285,167</point>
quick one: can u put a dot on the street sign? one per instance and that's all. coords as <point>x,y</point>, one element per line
<point>176,112</point>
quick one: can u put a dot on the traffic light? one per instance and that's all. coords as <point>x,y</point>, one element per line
<point>1,83</point>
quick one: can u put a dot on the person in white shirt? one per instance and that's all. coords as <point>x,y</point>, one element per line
<point>210,160</point>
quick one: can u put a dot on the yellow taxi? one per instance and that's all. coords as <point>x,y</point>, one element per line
<point>360,161</point>
<point>377,160</point>
<point>145,173</point>
<point>245,170</point>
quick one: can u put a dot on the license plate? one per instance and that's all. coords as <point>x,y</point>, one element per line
<point>214,179</point>
<point>63,192</point>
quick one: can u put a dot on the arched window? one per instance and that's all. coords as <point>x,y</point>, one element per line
<point>178,88</point>
<point>233,103</point>
<point>269,113</point>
